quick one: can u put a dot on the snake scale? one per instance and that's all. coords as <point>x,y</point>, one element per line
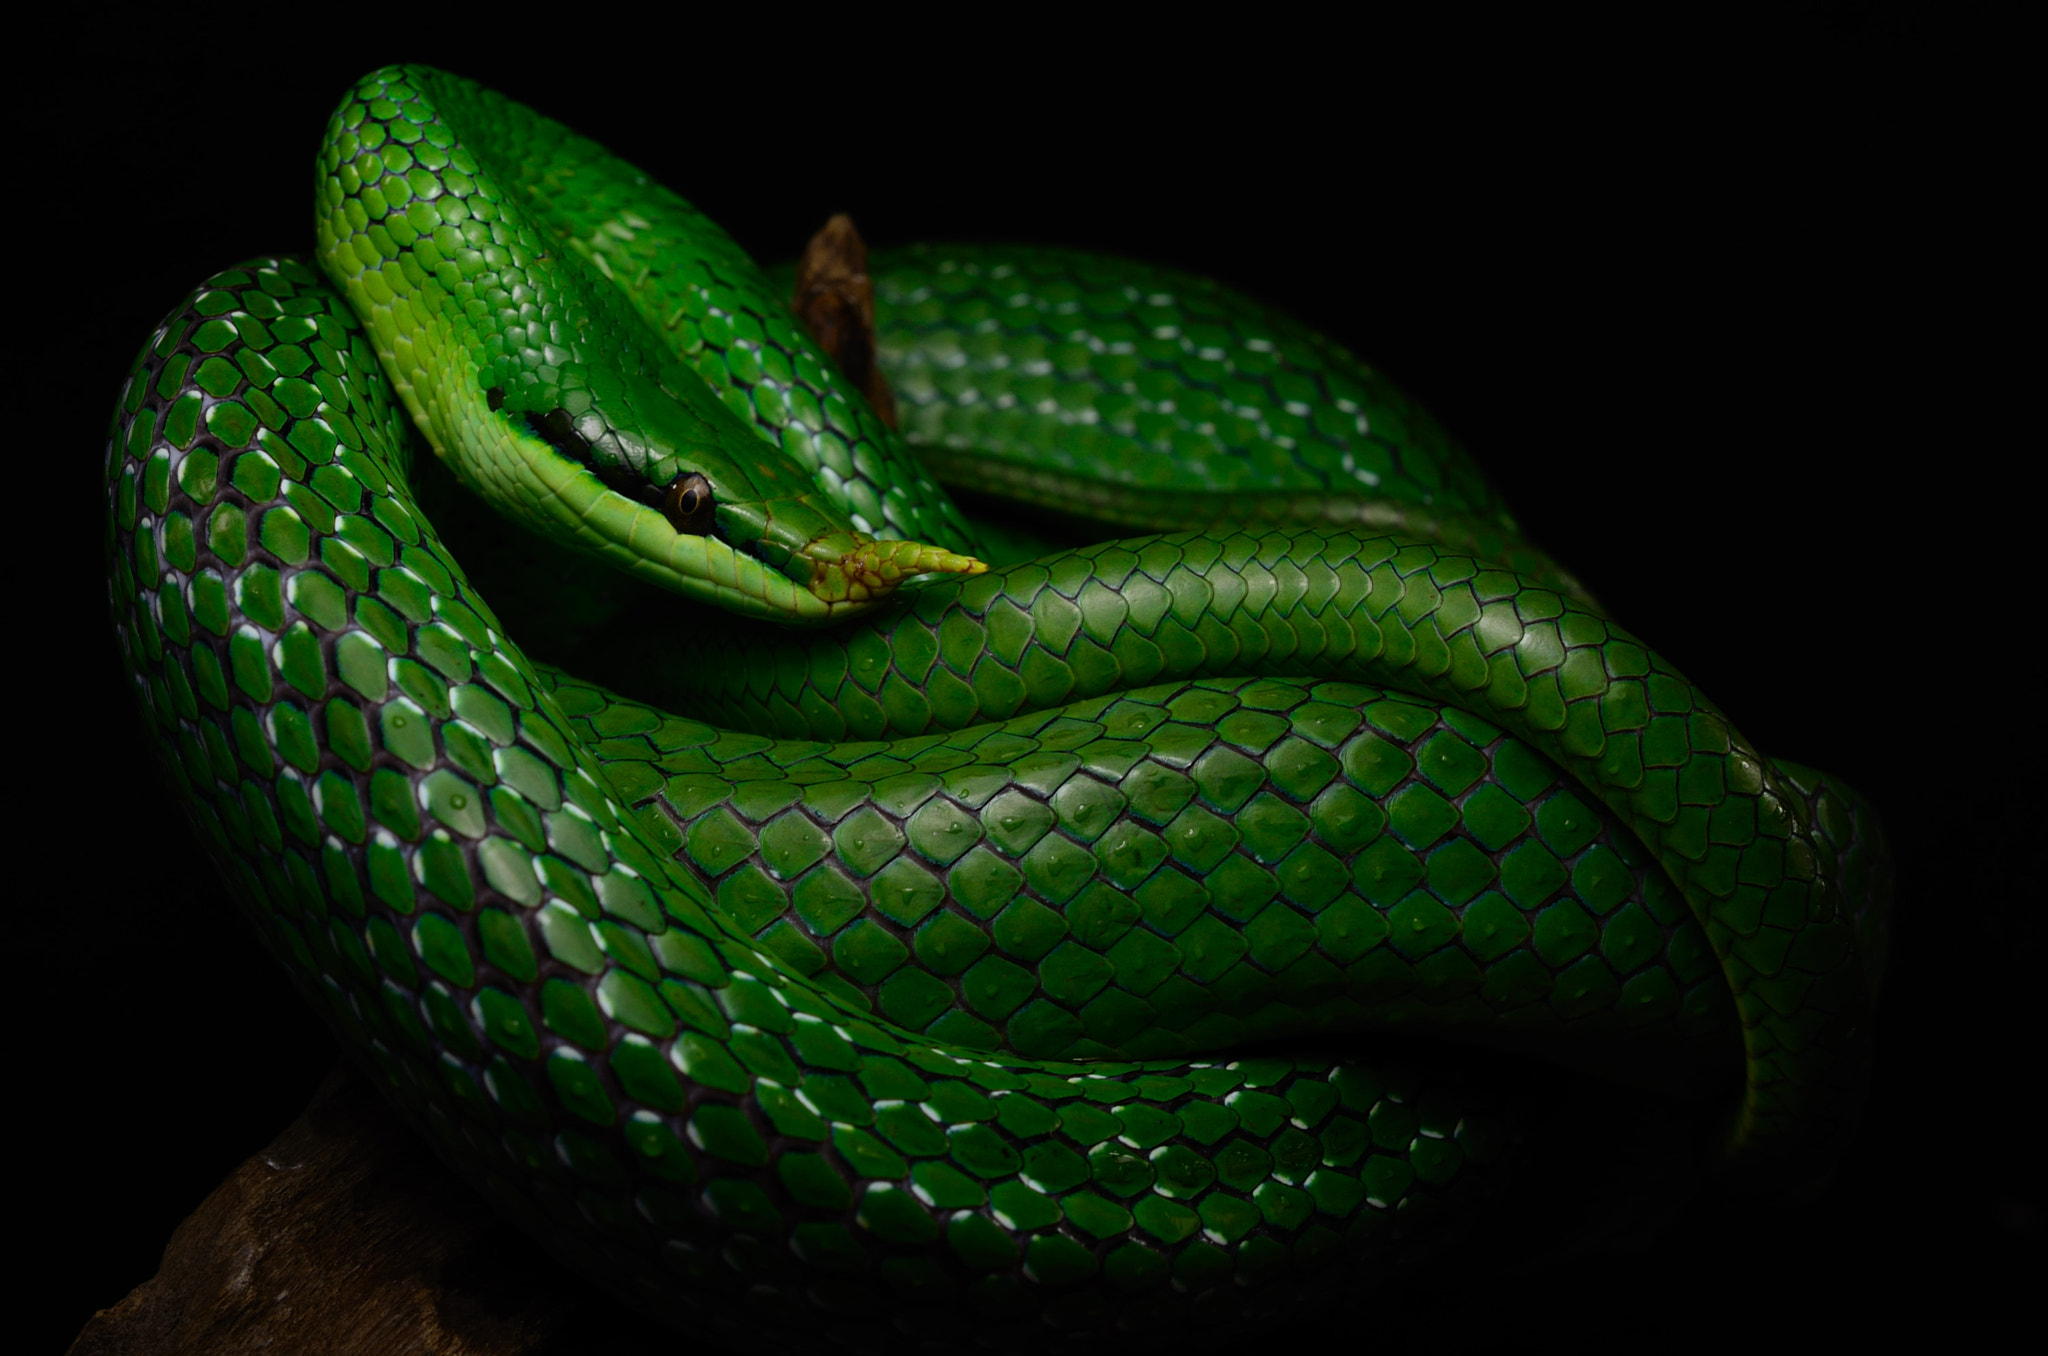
<point>929,929</point>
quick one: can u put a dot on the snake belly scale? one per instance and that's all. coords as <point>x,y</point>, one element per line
<point>883,977</point>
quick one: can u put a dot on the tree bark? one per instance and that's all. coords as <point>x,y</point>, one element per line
<point>835,299</point>
<point>342,1236</point>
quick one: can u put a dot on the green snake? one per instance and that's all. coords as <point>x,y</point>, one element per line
<point>925,927</point>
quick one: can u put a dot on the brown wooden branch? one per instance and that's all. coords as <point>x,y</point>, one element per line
<point>836,301</point>
<point>343,1236</point>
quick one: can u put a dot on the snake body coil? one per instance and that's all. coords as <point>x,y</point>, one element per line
<point>888,982</point>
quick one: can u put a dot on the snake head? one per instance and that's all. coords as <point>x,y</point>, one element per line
<point>654,474</point>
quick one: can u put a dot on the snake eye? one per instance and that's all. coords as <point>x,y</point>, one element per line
<point>687,505</point>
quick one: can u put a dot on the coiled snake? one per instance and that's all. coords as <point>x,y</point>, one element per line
<point>886,962</point>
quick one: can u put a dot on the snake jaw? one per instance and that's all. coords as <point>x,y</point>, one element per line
<point>848,567</point>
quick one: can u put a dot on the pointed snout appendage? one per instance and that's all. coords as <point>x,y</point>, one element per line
<point>860,570</point>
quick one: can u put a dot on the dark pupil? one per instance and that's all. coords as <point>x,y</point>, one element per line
<point>688,505</point>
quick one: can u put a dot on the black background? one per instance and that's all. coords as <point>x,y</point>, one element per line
<point>1717,306</point>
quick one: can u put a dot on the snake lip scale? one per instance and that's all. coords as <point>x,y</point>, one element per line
<point>880,970</point>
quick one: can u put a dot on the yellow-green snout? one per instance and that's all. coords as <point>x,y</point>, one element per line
<point>849,567</point>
